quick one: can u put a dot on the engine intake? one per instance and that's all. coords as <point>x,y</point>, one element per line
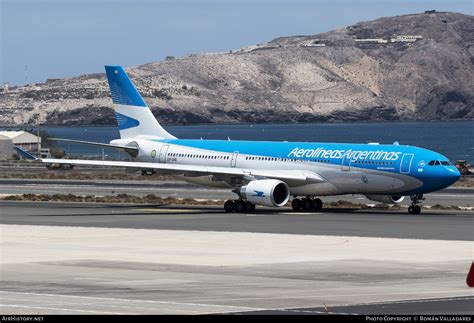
<point>268,192</point>
<point>391,199</point>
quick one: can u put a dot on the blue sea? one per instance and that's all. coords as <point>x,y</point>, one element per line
<point>453,139</point>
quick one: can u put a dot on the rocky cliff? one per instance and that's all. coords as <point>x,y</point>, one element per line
<point>412,67</point>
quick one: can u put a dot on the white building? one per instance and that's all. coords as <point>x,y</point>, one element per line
<point>406,38</point>
<point>6,148</point>
<point>23,139</point>
<point>371,40</point>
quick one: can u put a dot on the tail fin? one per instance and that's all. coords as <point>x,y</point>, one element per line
<point>133,116</point>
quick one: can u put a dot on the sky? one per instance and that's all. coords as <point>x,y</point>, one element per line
<point>43,39</point>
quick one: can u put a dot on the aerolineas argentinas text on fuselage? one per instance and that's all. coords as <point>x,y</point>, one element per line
<point>269,173</point>
<point>350,154</point>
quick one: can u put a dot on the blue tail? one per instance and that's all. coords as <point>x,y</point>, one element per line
<point>134,118</point>
<point>121,87</point>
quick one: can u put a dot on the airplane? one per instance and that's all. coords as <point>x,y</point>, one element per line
<point>268,173</point>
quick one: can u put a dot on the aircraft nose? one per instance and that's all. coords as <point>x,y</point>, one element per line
<point>452,174</point>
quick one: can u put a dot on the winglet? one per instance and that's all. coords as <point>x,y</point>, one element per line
<point>25,154</point>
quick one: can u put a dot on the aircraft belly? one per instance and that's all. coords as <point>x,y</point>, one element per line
<point>206,180</point>
<point>372,182</point>
<point>315,189</point>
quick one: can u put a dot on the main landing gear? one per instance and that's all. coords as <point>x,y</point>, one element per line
<point>306,204</point>
<point>416,199</point>
<point>238,206</point>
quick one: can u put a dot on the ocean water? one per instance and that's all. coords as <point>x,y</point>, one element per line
<point>452,139</point>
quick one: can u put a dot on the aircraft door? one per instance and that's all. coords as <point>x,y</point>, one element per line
<point>406,163</point>
<point>163,152</point>
<point>233,159</point>
<point>346,164</point>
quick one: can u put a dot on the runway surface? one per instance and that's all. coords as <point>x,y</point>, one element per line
<point>65,258</point>
<point>444,225</point>
<point>453,196</point>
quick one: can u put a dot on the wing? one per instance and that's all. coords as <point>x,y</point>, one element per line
<point>297,176</point>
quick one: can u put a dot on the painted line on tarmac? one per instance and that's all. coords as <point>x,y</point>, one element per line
<point>96,304</point>
<point>3,306</point>
<point>410,301</point>
<point>138,300</point>
<point>351,295</point>
<point>170,210</point>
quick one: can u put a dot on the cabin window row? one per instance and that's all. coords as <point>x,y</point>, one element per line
<point>198,156</point>
<point>370,162</point>
<point>283,159</point>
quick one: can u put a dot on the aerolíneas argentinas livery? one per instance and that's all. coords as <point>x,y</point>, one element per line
<point>269,173</point>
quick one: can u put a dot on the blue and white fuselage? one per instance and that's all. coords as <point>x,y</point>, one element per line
<point>267,172</point>
<point>346,168</point>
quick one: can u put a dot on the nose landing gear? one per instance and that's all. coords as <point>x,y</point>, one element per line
<point>416,199</point>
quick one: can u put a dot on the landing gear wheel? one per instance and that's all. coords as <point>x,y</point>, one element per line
<point>239,206</point>
<point>306,204</point>
<point>416,199</point>
<point>317,204</point>
<point>249,207</point>
<point>296,204</point>
<point>414,209</point>
<point>229,206</point>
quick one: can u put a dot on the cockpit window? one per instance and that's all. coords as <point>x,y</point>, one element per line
<point>438,163</point>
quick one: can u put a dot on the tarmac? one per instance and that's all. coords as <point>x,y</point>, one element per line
<point>72,258</point>
<point>457,196</point>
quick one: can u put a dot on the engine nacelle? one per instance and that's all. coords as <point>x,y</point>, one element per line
<point>391,199</point>
<point>268,192</point>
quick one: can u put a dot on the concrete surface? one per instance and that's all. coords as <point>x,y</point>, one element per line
<point>50,269</point>
<point>114,259</point>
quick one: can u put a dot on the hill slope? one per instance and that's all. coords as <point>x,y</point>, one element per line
<point>420,68</point>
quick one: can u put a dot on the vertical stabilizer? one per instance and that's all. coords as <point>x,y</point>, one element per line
<point>134,118</point>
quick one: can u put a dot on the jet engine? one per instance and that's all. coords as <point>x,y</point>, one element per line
<point>268,192</point>
<point>391,199</point>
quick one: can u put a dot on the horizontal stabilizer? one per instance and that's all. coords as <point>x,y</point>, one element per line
<point>133,151</point>
<point>24,154</point>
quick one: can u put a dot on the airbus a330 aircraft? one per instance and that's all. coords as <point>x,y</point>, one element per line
<point>266,172</point>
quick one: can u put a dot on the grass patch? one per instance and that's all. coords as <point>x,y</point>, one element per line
<point>445,207</point>
<point>120,198</point>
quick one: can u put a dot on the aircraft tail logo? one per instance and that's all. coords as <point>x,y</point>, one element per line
<point>134,118</point>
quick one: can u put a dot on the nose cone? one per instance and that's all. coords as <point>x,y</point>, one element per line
<point>451,175</point>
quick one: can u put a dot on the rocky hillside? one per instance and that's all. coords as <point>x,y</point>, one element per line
<point>412,67</point>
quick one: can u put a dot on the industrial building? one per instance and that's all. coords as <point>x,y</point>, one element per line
<point>6,148</point>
